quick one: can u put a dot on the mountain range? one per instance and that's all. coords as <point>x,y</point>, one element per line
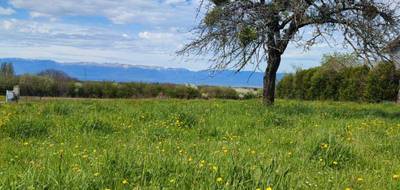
<point>136,73</point>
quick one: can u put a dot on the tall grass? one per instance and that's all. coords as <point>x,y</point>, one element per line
<point>199,144</point>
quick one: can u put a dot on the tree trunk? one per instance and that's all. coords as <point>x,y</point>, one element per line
<point>274,60</point>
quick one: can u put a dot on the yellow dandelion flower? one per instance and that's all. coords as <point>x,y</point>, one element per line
<point>219,179</point>
<point>268,188</point>
<point>215,168</point>
<point>324,145</point>
<point>360,179</point>
<point>125,182</point>
<point>396,177</point>
<point>26,143</point>
<point>258,189</point>
<point>335,163</point>
<point>253,152</point>
<point>347,188</point>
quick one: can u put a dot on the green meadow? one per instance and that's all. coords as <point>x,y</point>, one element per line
<point>199,144</point>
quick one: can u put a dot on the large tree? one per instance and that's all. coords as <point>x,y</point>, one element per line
<point>239,33</point>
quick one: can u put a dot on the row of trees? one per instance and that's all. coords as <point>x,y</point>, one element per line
<point>345,78</point>
<point>53,83</point>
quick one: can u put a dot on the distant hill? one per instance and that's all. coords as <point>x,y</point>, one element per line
<point>132,73</point>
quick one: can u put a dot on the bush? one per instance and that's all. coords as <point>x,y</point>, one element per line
<point>336,81</point>
<point>325,85</point>
<point>219,92</point>
<point>353,84</point>
<point>382,83</point>
<point>285,87</point>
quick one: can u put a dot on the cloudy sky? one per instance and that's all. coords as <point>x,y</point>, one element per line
<point>137,32</point>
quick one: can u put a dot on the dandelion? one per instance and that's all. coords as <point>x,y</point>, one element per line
<point>125,182</point>
<point>215,168</point>
<point>335,163</point>
<point>219,180</point>
<point>258,189</point>
<point>26,143</point>
<point>324,146</point>
<point>347,188</point>
<point>360,179</point>
<point>268,188</point>
<point>190,159</point>
<point>396,177</point>
<point>253,152</point>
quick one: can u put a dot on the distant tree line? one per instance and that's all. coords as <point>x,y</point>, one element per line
<point>53,83</point>
<point>345,78</point>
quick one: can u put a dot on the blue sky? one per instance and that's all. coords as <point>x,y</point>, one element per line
<point>137,32</point>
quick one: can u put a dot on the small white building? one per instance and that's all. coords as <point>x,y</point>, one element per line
<point>13,96</point>
<point>393,49</point>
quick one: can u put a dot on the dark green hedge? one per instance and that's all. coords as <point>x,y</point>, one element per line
<point>352,83</point>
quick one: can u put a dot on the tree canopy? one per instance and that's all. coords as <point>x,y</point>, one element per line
<point>239,33</point>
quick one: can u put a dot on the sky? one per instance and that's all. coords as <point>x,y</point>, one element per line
<point>135,32</point>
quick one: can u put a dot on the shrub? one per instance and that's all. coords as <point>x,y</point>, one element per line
<point>219,92</point>
<point>353,84</point>
<point>285,87</point>
<point>382,83</point>
<point>343,82</point>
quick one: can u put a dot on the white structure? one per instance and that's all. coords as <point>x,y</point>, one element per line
<point>393,49</point>
<point>13,95</point>
<point>10,96</point>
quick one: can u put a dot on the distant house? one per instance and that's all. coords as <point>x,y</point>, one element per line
<point>393,49</point>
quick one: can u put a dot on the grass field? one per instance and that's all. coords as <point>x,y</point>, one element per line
<point>199,144</point>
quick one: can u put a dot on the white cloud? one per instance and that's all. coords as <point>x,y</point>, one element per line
<point>156,36</point>
<point>119,12</point>
<point>8,24</point>
<point>159,29</point>
<point>6,11</point>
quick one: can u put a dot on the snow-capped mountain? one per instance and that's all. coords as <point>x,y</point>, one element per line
<point>137,73</point>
